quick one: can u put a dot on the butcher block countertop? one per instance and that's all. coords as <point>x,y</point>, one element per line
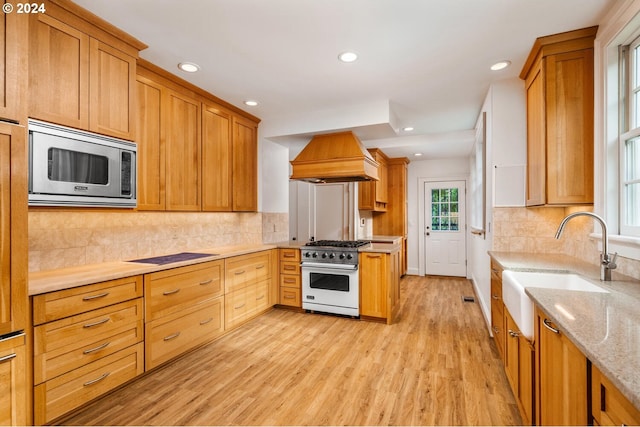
<point>65,278</point>
<point>604,326</point>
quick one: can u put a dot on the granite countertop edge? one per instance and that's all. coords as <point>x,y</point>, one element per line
<point>615,355</point>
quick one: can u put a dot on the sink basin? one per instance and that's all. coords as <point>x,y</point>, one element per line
<point>517,301</point>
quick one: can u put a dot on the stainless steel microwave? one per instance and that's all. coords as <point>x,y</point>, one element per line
<point>69,167</point>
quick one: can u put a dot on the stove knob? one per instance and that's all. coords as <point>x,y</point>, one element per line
<point>315,255</point>
<point>332,255</point>
<point>324,255</point>
<point>341,256</point>
<point>349,256</point>
<point>307,254</point>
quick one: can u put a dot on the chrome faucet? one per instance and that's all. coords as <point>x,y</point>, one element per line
<point>607,262</point>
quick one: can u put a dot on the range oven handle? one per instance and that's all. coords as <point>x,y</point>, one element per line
<point>329,266</point>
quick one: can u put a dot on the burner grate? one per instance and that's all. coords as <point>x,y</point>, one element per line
<point>339,243</point>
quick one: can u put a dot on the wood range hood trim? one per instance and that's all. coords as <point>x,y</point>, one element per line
<point>334,157</point>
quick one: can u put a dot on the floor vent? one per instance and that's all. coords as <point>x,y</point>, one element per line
<point>468,299</point>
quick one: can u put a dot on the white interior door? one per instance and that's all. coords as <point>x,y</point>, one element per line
<point>445,236</point>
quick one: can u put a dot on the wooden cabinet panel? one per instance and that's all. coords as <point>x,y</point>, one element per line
<point>497,309</point>
<point>150,140</point>
<point>291,296</point>
<point>609,407</point>
<point>69,343</point>
<point>379,285</point>
<point>217,159</point>
<point>58,72</point>
<point>170,291</point>
<point>172,335</point>
<point>60,395</point>
<point>245,165</point>
<point>13,381</point>
<point>111,89</point>
<point>290,289</point>
<point>536,139</point>
<point>182,173</point>
<point>373,195</point>
<point>243,270</point>
<point>69,302</point>
<point>13,65</point>
<point>235,307</point>
<point>561,390</point>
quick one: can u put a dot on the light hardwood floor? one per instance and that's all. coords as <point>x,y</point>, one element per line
<point>436,366</point>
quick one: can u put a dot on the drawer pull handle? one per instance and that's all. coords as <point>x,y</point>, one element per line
<point>92,297</point>
<point>495,296</point>
<point>206,282</point>
<point>204,322</point>
<point>495,330</point>
<point>289,280</point>
<point>289,297</point>
<point>93,350</point>
<point>260,266</point>
<point>99,322</point>
<point>100,378</point>
<point>237,273</point>
<point>260,297</point>
<point>514,334</point>
<point>175,291</point>
<point>289,255</point>
<point>7,357</point>
<point>290,267</point>
<point>239,306</point>
<point>547,324</point>
<point>172,336</point>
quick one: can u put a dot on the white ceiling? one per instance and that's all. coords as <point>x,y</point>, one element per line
<point>422,63</point>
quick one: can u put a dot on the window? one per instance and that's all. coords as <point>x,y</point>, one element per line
<point>629,141</point>
<point>444,209</point>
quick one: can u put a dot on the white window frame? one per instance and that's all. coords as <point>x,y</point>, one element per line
<point>619,27</point>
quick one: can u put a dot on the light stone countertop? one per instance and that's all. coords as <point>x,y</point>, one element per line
<point>604,326</point>
<point>65,278</point>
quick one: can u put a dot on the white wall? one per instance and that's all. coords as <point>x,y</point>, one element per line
<point>435,169</point>
<point>273,187</point>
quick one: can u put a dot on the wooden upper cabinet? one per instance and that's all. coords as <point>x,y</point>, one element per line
<point>13,229</point>
<point>13,66</point>
<point>217,160</point>
<point>559,87</point>
<point>58,72</point>
<point>245,165</point>
<point>112,84</point>
<point>151,153</point>
<point>374,195</point>
<point>182,123</point>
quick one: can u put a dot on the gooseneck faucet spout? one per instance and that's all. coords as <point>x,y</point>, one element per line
<point>607,262</point>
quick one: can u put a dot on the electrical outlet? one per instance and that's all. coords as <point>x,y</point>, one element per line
<point>362,222</point>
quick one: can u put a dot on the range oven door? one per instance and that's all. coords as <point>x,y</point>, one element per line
<point>330,288</point>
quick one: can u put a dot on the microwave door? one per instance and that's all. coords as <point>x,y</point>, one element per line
<point>66,166</point>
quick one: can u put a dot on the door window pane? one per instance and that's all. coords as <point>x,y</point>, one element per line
<point>444,209</point>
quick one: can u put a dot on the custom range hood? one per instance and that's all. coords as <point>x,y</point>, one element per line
<point>334,157</point>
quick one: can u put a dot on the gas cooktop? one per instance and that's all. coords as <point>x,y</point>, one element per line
<point>339,243</point>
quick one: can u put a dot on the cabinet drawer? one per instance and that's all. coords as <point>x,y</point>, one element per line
<point>71,390</point>
<point>290,254</point>
<point>609,406</point>
<point>67,344</point>
<point>173,335</point>
<point>60,304</point>
<point>289,267</point>
<point>290,281</point>
<point>260,297</point>
<point>290,297</point>
<point>246,269</point>
<point>235,307</point>
<point>170,291</point>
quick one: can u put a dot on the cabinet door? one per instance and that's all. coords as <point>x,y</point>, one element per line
<point>562,377</point>
<point>13,382</point>
<point>374,278</point>
<point>13,226</point>
<point>511,352</point>
<point>569,103</point>
<point>13,60</point>
<point>536,138</point>
<point>58,72</point>
<point>217,162</point>
<point>182,122</point>
<point>245,165</point>
<point>112,83</point>
<point>150,140</point>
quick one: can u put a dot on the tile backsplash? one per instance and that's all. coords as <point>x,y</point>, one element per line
<point>533,230</point>
<point>60,239</point>
<point>275,227</point>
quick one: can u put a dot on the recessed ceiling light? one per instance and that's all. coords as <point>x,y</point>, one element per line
<point>250,103</point>
<point>417,154</point>
<point>407,129</point>
<point>501,65</point>
<point>348,56</point>
<point>189,67</point>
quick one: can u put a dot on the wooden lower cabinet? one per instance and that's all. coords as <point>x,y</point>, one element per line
<point>290,278</point>
<point>172,335</point>
<point>244,304</point>
<point>608,406</point>
<point>561,389</point>
<point>518,359</point>
<point>56,397</point>
<point>497,309</point>
<point>13,381</point>
<point>379,285</point>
